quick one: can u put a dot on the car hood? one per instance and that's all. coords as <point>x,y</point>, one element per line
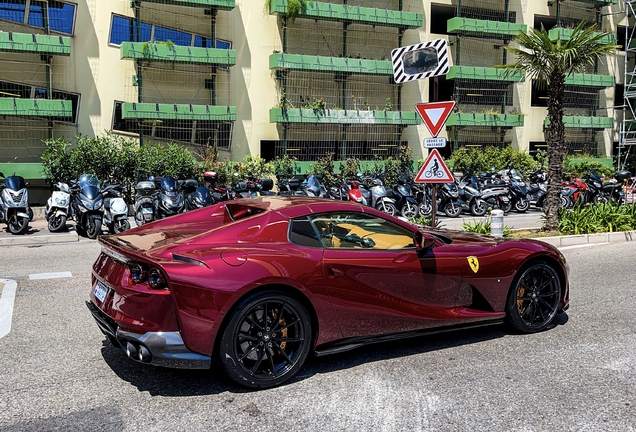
<point>460,238</point>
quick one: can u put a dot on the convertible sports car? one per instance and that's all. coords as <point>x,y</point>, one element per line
<point>254,285</point>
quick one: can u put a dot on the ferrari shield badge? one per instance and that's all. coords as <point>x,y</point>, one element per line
<point>473,262</point>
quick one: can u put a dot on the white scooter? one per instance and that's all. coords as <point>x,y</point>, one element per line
<point>56,210</point>
<point>14,204</point>
<point>115,209</point>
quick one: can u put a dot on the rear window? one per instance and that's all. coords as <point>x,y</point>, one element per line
<point>237,211</point>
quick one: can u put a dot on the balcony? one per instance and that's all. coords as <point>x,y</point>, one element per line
<point>475,27</point>
<point>301,115</point>
<point>565,34</point>
<point>35,43</point>
<point>35,107</point>
<point>207,4</point>
<point>356,14</point>
<point>176,53</point>
<point>279,61</point>
<point>485,120</point>
<point>486,74</point>
<point>591,80</point>
<point>584,122</point>
<point>154,111</point>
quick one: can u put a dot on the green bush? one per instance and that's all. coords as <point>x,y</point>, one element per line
<point>324,166</point>
<point>579,169</point>
<point>350,168</point>
<point>285,167</point>
<point>597,218</point>
<point>484,227</point>
<point>477,160</point>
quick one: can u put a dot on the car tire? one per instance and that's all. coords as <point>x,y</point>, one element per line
<point>258,348</point>
<point>534,297</point>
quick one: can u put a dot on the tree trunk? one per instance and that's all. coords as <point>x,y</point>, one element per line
<point>556,149</point>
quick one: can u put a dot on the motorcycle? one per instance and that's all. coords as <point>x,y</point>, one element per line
<point>168,200</point>
<point>86,206</point>
<point>115,209</point>
<point>423,195</point>
<point>291,187</point>
<point>406,204</point>
<point>219,192</point>
<point>56,211</point>
<point>518,192</point>
<point>470,196</point>
<point>144,202</point>
<point>14,204</point>
<point>196,196</point>
<point>449,201</point>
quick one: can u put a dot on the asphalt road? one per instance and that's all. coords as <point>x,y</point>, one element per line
<point>59,372</point>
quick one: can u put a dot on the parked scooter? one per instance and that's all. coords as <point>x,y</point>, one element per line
<point>196,196</point>
<point>218,191</point>
<point>115,209</point>
<point>518,192</point>
<point>14,204</point>
<point>470,196</point>
<point>56,211</point>
<point>144,202</point>
<point>169,200</point>
<point>86,206</point>
<point>406,204</point>
<point>449,203</point>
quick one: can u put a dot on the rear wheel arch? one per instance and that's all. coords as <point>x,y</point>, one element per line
<point>287,289</point>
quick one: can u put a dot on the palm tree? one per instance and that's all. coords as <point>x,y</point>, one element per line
<point>551,62</point>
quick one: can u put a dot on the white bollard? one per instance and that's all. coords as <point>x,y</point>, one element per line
<point>497,223</point>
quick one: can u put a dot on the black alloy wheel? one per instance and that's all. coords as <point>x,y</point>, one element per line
<point>452,210</point>
<point>18,224</point>
<point>266,341</point>
<point>121,225</point>
<point>534,298</point>
<point>94,227</point>
<point>478,207</point>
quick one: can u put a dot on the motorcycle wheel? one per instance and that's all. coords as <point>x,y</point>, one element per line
<point>522,206</point>
<point>425,208</point>
<point>388,208</point>
<point>409,211</point>
<point>94,228</point>
<point>18,225</point>
<point>478,208</point>
<point>565,202</point>
<point>57,223</point>
<point>506,207</point>
<point>121,225</point>
<point>452,210</point>
<point>600,199</point>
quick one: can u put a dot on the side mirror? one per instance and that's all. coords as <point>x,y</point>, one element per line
<point>2,175</point>
<point>27,183</point>
<point>422,242</point>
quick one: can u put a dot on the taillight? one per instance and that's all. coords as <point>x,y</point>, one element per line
<point>140,273</point>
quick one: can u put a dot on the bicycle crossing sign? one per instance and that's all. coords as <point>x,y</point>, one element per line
<point>434,170</point>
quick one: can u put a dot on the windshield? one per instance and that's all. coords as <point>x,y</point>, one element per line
<point>90,191</point>
<point>15,182</point>
<point>88,180</point>
<point>168,184</point>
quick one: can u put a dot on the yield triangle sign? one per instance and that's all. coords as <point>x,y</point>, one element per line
<point>435,114</point>
<point>434,170</point>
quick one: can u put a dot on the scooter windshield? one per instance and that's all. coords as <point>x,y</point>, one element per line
<point>15,183</point>
<point>90,191</point>
<point>168,184</point>
<point>88,180</point>
<point>313,184</point>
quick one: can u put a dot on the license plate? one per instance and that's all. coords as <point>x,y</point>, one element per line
<point>100,291</point>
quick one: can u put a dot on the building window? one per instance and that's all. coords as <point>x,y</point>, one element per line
<point>125,30</point>
<point>26,91</point>
<point>199,132</point>
<point>61,15</point>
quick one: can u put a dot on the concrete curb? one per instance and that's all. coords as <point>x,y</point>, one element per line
<point>21,240</point>
<point>581,239</point>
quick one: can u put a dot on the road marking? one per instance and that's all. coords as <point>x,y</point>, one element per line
<point>6,305</point>
<point>581,246</point>
<point>50,275</point>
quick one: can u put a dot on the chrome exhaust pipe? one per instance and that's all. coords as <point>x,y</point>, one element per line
<point>144,354</point>
<point>131,350</point>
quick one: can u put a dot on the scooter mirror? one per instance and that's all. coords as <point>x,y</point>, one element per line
<point>2,175</point>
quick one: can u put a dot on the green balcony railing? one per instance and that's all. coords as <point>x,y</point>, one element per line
<point>565,34</point>
<point>485,120</point>
<point>35,43</point>
<point>358,14</point>
<point>300,115</point>
<point>314,63</point>
<point>484,73</point>
<point>35,107</point>
<point>130,110</point>
<point>585,122</point>
<point>471,26</point>
<point>176,53</point>
<point>208,4</point>
<point>591,80</point>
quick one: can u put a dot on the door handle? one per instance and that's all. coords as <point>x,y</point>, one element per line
<point>336,273</point>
